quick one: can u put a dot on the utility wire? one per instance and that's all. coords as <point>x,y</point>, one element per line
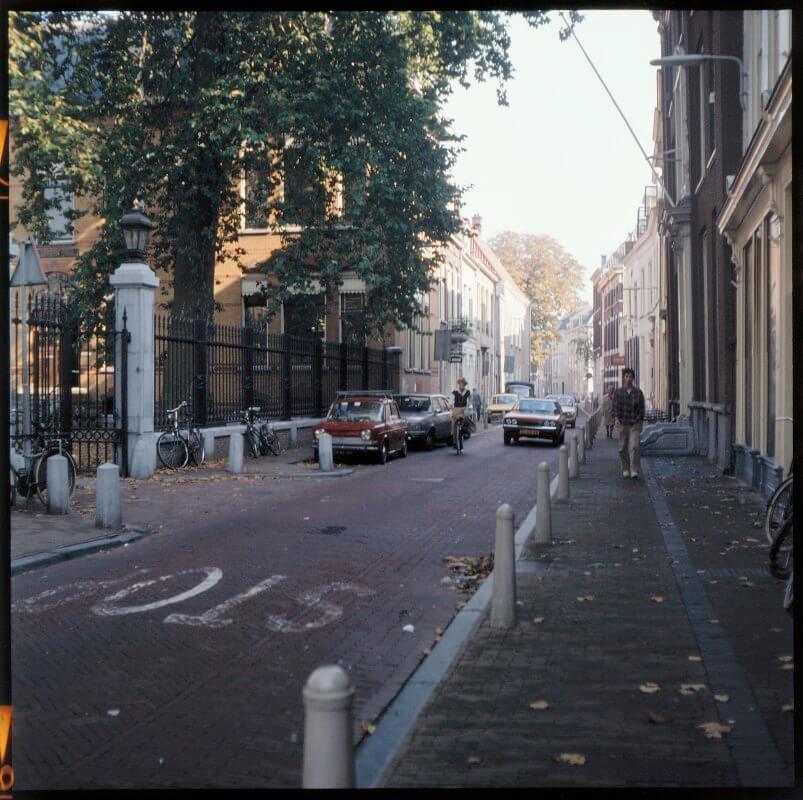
<point>613,100</point>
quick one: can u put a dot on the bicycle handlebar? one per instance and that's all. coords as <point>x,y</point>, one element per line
<point>177,408</point>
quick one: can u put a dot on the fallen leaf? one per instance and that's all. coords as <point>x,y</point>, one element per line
<point>777,630</point>
<point>473,760</point>
<point>408,628</point>
<point>634,550</point>
<point>721,698</point>
<point>714,730</point>
<point>714,621</point>
<point>788,666</point>
<point>575,759</point>
<point>713,582</point>
<point>519,602</point>
<point>439,631</point>
<point>695,658</point>
<point>368,727</point>
<point>426,651</point>
<point>691,688</point>
<point>649,687</point>
<point>585,597</point>
<point>113,712</point>
<point>747,583</point>
<point>785,658</point>
<point>655,718</point>
<point>657,598</point>
<point>539,705</point>
<point>788,707</point>
<point>538,620</point>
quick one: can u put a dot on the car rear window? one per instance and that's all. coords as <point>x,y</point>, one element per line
<point>355,411</point>
<point>535,406</point>
<point>504,398</point>
<point>408,402</point>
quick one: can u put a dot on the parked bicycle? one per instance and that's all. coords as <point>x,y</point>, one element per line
<point>779,506</point>
<point>458,435</point>
<point>175,447</point>
<point>262,438</point>
<point>30,480</point>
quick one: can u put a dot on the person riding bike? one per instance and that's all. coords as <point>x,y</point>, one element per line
<point>460,398</point>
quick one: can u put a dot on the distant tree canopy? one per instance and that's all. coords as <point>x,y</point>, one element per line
<point>177,108</point>
<point>549,276</point>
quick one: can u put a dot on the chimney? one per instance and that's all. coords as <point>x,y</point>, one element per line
<point>476,224</point>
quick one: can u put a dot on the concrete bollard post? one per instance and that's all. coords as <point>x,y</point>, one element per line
<point>108,509</point>
<point>293,435</point>
<point>58,485</point>
<point>563,474</point>
<point>328,736</point>
<point>574,466</point>
<point>503,599</point>
<point>326,461</point>
<point>581,447</point>
<point>142,462</point>
<point>209,444</point>
<point>236,442</point>
<point>543,507</point>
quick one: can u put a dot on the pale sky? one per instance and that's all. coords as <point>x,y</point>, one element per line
<point>559,160</point>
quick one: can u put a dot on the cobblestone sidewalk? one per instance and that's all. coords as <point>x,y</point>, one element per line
<point>651,649</point>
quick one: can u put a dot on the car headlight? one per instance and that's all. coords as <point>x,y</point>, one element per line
<point>510,421</point>
<point>318,433</point>
<point>365,435</point>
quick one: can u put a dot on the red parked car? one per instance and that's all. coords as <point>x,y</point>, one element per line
<point>364,422</point>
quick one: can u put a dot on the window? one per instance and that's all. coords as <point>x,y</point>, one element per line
<point>352,318</point>
<point>256,190</point>
<point>303,196</point>
<point>305,315</point>
<point>59,222</point>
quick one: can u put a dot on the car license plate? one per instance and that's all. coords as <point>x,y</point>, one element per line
<point>529,433</point>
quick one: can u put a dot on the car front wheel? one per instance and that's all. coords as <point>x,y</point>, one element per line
<point>429,442</point>
<point>382,456</point>
<point>508,438</point>
<point>403,451</point>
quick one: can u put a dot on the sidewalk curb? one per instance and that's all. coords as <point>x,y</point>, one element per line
<point>376,753</point>
<point>337,473</point>
<point>131,533</point>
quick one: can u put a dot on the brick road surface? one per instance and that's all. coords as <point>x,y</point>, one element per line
<point>710,616</point>
<point>109,699</point>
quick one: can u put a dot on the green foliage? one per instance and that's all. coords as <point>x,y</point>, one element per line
<point>176,107</point>
<point>549,276</point>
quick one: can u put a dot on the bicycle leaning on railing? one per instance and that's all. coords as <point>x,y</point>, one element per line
<point>175,447</point>
<point>30,480</point>
<point>779,527</point>
<point>262,439</point>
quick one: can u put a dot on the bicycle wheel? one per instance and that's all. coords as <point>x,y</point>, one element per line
<point>40,472</point>
<point>172,450</point>
<point>779,507</point>
<point>254,442</point>
<point>789,592</point>
<point>195,446</point>
<point>13,486</point>
<point>781,550</point>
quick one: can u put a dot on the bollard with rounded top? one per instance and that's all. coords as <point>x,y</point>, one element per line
<point>503,598</point>
<point>58,485</point>
<point>293,435</point>
<point>236,441</point>
<point>543,507</point>
<point>108,510</point>
<point>581,447</point>
<point>328,736</point>
<point>574,466</point>
<point>326,461</point>
<point>563,474</point>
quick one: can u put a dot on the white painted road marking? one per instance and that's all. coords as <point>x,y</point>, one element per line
<point>314,599</point>
<point>105,607</point>
<point>214,617</point>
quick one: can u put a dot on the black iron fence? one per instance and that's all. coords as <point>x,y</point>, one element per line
<point>220,370</point>
<point>72,381</point>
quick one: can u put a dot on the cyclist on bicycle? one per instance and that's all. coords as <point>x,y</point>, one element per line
<point>460,402</point>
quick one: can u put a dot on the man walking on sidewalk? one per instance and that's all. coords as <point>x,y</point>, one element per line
<point>628,415</point>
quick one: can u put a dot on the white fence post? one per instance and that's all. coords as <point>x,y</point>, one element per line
<point>108,509</point>
<point>543,507</point>
<point>503,599</point>
<point>563,473</point>
<point>58,485</point>
<point>236,441</point>
<point>574,466</point>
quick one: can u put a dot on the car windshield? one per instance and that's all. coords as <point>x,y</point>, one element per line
<point>501,399</point>
<point>536,406</point>
<point>522,391</point>
<point>355,411</point>
<point>415,403</point>
<point>566,401</point>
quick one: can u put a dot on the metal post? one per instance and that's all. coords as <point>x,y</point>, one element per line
<point>365,368</point>
<point>26,382</point>
<point>200,382</point>
<point>574,466</point>
<point>317,377</point>
<point>287,378</point>
<point>563,474</point>
<point>581,447</point>
<point>503,600</point>
<point>328,736</point>
<point>343,367</point>
<point>248,367</point>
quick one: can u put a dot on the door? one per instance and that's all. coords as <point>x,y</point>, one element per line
<point>444,418</point>
<point>397,427</point>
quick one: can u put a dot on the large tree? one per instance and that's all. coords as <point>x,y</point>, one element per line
<point>550,277</point>
<point>175,107</point>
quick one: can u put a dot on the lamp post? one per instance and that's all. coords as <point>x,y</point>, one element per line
<point>695,59</point>
<point>137,231</point>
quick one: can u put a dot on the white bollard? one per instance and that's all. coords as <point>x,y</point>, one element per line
<point>236,442</point>
<point>293,435</point>
<point>328,736</point>
<point>58,485</point>
<point>108,509</point>
<point>503,599</point>
<point>574,465</point>
<point>563,474</point>
<point>581,447</point>
<point>326,461</point>
<point>543,507</point>
<point>209,445</point>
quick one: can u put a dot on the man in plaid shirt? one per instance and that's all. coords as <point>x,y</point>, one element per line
<point>628,416</point>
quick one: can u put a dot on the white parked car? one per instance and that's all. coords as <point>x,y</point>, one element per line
<point>569,407</point>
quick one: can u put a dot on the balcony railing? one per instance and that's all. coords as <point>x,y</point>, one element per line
<point>460,328</point>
